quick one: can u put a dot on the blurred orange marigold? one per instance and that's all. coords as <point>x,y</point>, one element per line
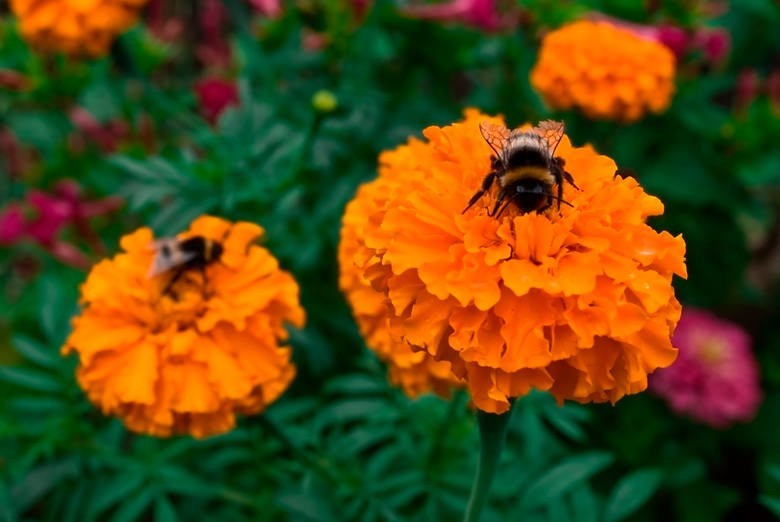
<point>186,358</point>
<point>606,71</point>
<point>75,27</point>
<point>577,301</point>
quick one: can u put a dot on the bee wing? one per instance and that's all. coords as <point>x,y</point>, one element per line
<point>552,131</point>
<point>168,255</point>
<point>495,135</point>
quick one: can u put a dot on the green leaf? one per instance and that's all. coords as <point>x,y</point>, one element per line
<point>355,384</point>
<point>565,476</point>
<point>112,490</point>
<point>350,410</point>
<point>178,480</point>
<point>42,480</point>
<point>101,101</point>
<point>31,379</point>
<point>631,492</point>
<point>771,503</point>
<point>135,506</point>
<point>306,508</point>
<point>164,510</point>
<point>35,352</point>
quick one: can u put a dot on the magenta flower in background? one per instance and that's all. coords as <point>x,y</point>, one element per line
<point>42,216</point>
<point>214,96</point>
<point>715,379</point>
<point>269,8</point>
<point>482,14</point>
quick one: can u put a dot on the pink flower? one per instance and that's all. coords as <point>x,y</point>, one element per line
<point>715,379</point>
<point>213,49</point>
<point>773,87</point>
<point>747,88</point>
<point>42,216</point>
<point>214,96</point>
<point>11,224</point>
<point>714,43</point>
<point>482,14</point>
<point>270,8</point>
<point>105,135</point>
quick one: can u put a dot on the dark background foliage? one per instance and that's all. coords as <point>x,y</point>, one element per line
<point>342,444</point>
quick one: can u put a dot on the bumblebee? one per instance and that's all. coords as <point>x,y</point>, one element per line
<point>181,255</point>
<point>525,167</point>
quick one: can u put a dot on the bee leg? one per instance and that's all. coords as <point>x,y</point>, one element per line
<point>486,183</point>
<point>499,200</point>
<point>561,174</point>
<point>205,280</point>
<point>168,289</point>
<point>570,180</point>
<point>560,195</point>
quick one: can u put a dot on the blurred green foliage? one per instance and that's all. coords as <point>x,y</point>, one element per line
<point>342,444</point>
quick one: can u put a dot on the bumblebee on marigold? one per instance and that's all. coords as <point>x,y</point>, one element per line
<point>525,166</point>
<point>576,301</point>
<point>179,335</point>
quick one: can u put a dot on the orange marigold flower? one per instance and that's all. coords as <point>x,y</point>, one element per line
<point>75,27</point>
<point>577,301</point>
<point>416,372</point>
<point>606,71</point>
<point>185,356</point>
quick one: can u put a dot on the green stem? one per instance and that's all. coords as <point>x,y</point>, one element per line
<point>492,434</point>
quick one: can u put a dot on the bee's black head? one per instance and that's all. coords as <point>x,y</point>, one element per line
<point>530,195</point>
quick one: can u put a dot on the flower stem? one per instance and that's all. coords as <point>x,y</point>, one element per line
<point>492,434</point>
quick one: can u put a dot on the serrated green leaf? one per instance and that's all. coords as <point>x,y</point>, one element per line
<point>349,410</point>
<point>35,352</point>
<point>112,490</point>
<point>164,510</point>
<point>135,505</point>
<point>29,378</point>
<point>306,508</point>
<point>355,384</point>
<point>631,492</point>
<point>772,503</point>
<point>178,480</point>
<point>41,480</point>
<point>563,477</point>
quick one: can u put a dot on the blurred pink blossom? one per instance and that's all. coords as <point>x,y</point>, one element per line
<point>214,96</point>
<point>42,216</point>
<point>714,43</point>
<point>270,8</point>
<point>482,14</point>
<point>106,135</point>
<point>747,88</point>
<point>773,87</point>
<point>715,379</point>
<point>213,49</point>
<point>11,224</point>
